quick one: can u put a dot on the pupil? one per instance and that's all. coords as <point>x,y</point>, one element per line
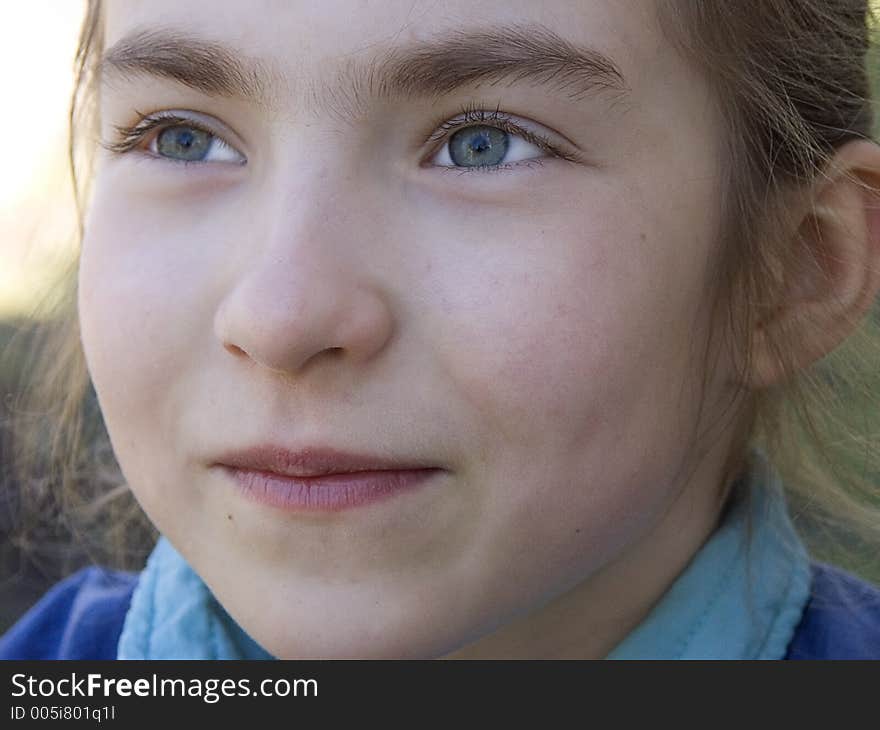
<point>482,144</point>
<point>185,139</point>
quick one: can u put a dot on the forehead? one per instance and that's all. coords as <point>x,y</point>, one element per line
<point>332,26</point>
<point>307,42</point>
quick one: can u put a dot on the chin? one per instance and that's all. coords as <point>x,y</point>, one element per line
<point>387,646</point>
<point>347,628</point>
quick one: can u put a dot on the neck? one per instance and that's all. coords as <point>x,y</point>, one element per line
<point>589,620</point>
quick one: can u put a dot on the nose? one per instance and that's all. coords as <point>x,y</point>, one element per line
<point>302,298</point>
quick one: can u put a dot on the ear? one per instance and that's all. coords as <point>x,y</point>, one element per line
<point>832,292</point>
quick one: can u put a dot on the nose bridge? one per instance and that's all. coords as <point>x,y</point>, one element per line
<point>306,288</point>
<point>301,189</point>
<point>304,224</point>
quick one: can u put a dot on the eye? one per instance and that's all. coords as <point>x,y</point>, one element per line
<point>484,146</point>
<point>495,143</point>
<point>175,138</point>
<point>182,142</point>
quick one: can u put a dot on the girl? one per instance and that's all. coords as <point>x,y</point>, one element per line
<point>471,331</point>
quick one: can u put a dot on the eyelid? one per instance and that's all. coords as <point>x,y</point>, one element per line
<point>476,114</point>
<point>132,136</point>
<point>473,114</point>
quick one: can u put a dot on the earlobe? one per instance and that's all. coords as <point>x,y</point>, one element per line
<point>834,277</point>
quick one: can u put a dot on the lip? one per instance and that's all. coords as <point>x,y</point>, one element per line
<point>321,478</point>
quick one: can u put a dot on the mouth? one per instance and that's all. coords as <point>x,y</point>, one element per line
<point>320,479</point>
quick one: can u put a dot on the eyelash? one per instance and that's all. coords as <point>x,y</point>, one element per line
<point>472,114</point>
<point>129,137</point>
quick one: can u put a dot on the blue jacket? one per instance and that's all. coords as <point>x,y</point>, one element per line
<point>82,616</point>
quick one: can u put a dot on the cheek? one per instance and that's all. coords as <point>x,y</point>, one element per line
<point>142,283</point>
<point>573,361</point>
<point>576,326</point>
<point>139,309</point>
<point>125,335</point>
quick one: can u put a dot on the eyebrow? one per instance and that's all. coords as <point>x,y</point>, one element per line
<point>428,68</point>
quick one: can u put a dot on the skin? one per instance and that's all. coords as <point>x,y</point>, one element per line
<point>535,332</point>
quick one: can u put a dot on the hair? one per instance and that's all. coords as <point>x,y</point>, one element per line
<point>791,80</point>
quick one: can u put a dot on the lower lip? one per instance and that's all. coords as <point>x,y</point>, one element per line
<point>330,493</point>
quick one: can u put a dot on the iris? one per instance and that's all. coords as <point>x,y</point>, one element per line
<point>479,145</point>
<point>184,143</point>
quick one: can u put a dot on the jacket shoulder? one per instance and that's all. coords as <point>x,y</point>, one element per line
<point>80,617</point>
<point>841,619</point>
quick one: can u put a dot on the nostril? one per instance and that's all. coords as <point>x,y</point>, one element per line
<point>234,350</point>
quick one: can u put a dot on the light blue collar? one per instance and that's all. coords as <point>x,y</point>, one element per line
<point>729,603</point>
<point>173,615</point>
<point>736,599</point>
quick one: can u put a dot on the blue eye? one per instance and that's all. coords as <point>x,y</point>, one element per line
<point>479,142</point>
<point>478,146</point>
<point>188,143</point>
<point>184,143</point>
<point>482,141</point>
<point>177,139</point>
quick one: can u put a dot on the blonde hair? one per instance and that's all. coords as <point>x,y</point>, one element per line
<point>791,78</point>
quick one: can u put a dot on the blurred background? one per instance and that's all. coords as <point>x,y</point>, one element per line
<point>37,222</point>
<point>37,214</point>
<point>37,44</point>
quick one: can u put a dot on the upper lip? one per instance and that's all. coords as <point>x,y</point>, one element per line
<point>313,461</point>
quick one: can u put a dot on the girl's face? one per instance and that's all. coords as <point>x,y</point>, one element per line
<point>535,329</point>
